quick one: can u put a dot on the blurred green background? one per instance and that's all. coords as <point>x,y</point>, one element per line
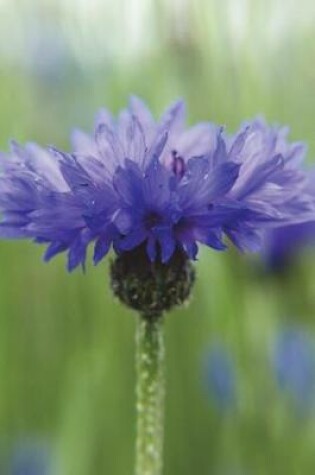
<point>66,347</point>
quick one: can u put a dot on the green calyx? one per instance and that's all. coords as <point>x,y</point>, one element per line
<point>151,288</point>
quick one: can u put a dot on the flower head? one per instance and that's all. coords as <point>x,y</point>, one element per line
<point>137,182</point>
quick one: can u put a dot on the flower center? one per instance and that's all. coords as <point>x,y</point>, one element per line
<point>152,219</point>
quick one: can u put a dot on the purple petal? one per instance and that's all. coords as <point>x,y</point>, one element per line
<point>53,249</point>
<point>132,137</point>
<point>174,117</point>
<point>256,177</point>
<point>133,239</point>
<point>83,143</point>
<point>151,248</point>
<point>191,249</point>
<point>109,147</point>
<point>196,141</point>
<point>77,251</point>
<point>140,110</point>
<point>101,248</point>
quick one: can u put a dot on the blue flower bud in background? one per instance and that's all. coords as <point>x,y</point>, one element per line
<point>283,244</point>
<point>30,458</point>
<point>220,377</point>
<point>294,366</point>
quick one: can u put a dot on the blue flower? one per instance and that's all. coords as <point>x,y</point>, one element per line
<point>220,378</point>
<point>294,364</point>
<point>156,184</point>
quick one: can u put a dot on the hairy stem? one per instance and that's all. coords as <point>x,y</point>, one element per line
<point>150,395</point>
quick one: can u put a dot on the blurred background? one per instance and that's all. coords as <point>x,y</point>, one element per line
<point>241,357</point>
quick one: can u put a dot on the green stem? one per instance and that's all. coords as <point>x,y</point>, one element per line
<point>150,395</point>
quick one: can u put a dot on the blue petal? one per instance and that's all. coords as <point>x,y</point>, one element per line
<point>245,238</point>
<point>101,248</point>
<point>140,110</point>
<point>127,183</point>
<point>220,154</point>
<point>132,137</point>
<point>158,145</point>
<point>212,239</point>
<point>174,116</point>
<point>191,249</point>
<point>9,231</point>
<point>222,179</point>
<point>109,147</point>
<point>202,186</point>
<point>77,251</point>
<point>238,144</point>
<point>167,244</point>
<point>133,239</point>
<point>260,176</point>
<point>151,248</point>
<point>53,249</point>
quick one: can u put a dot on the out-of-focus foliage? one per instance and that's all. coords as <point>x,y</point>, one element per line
<point>66,347</point>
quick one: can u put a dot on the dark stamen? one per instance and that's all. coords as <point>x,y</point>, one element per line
<point>178,164</point>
